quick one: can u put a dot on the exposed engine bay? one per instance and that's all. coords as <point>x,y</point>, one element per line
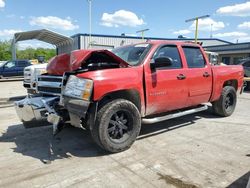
<point>98,61</point>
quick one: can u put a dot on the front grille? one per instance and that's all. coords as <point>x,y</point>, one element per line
<point>26,74</point>
<point>26,80</point>
<point>49,84</point>
<point>49,90</point>
<point>50,79</point>
<point>26,85</point>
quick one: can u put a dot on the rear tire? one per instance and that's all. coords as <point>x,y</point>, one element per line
<point>117,125</point>
<point>246,85</point>
<point>225,106</point>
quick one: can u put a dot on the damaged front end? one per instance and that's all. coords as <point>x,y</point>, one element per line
<point>40,109</point>
<point>62,96</point>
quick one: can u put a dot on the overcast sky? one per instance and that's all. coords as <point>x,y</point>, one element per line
<point>229,19</point>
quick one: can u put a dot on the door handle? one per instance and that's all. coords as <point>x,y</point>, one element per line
<point>181,77</point>
<point>206,74</point>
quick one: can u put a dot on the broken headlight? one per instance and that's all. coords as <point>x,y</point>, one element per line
<point>78,88</point>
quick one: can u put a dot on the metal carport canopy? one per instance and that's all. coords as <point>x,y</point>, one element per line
<point>42,35</point>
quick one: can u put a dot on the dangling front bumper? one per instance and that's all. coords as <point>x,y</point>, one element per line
<point>33,109</point>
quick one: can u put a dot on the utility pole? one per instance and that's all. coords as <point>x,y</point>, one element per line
<point>90,21</point>
<point>211,31</point>
<point>13,47</point>
<point>196,24</point>
<point>142,33</point>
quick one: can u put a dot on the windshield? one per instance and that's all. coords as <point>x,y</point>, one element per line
<point>133,54</point>
<point>2,62</point>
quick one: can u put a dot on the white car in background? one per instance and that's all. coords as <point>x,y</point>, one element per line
<point>30,76</point>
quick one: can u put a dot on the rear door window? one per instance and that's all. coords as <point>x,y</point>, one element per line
<point>194,57</point>
<point>22,63</point>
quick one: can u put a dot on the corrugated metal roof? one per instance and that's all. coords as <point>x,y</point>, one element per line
<point>239,47</point>
<point>45,36</point>
<point>211,40</point>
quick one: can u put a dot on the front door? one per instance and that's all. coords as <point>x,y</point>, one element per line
<point>166,87</point>
<point>9,69</point>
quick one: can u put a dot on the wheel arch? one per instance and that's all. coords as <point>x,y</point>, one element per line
<point>131,95</point>
<point>233,83</point>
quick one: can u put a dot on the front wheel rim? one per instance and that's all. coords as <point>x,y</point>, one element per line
<point>120,126</point>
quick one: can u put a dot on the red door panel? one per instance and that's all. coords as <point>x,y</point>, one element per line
<point>200,85</point>
<point>165,91</point>
<point>166,87</point>
<point>199,76</point>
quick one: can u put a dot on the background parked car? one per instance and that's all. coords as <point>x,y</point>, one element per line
<point>246,65</point>
<point>13,68</point>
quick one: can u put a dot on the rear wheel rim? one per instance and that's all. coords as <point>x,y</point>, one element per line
<point>229,102</point>
<point>120,126</point>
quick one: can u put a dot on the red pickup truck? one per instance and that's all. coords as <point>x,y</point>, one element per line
<point>112,93</point>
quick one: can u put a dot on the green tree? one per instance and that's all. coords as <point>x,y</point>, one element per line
<point>29,53</point>
<point>5,50</point>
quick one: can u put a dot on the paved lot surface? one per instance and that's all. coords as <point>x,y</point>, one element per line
<point>11,89</point>
<point>199,150</point>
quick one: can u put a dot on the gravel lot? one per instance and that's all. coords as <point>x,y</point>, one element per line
<point>9,90</point>
<point>198,150</point>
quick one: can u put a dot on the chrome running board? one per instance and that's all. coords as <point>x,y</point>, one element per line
<point>174,115</point>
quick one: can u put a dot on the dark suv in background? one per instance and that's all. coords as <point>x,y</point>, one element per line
<point>246,65</point>
<point>13,68</point>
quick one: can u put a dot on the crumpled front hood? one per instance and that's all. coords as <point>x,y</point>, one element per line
<point>59,64</point>
<point>79,57</point>
<point>65,62</point>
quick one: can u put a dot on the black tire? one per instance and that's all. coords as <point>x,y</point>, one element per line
<point>225,106</point>
<point>246,85</point>
<point>117,125</point>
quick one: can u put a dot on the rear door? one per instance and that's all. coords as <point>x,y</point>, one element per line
<point>9,69</point>
<point>199,76</point>
<point>166,87</point>
<point>20,67</point>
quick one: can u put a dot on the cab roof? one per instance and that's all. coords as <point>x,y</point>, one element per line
<point>159,42</point>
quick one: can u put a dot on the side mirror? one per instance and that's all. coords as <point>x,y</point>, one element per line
<point>161,62</point>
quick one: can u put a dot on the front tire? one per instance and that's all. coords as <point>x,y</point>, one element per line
<point>225,106</point>
<point>117,125</point>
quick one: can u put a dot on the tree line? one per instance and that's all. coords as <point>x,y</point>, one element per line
<point>28,53</point>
